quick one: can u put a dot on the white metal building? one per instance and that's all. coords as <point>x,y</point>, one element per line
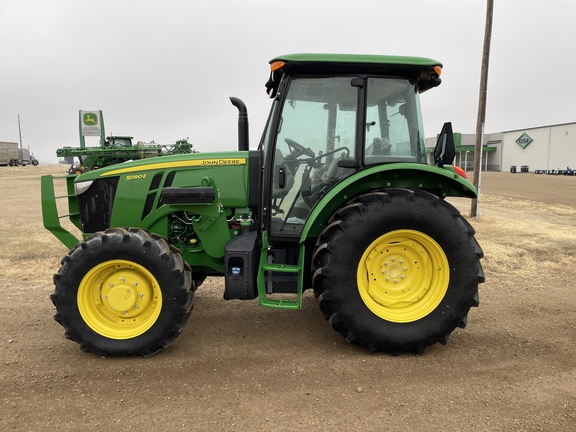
<point>542,148</point>
<point>539,148</point>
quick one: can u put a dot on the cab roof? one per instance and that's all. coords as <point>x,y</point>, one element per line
<point>425,71</point>
<point>359,59</point>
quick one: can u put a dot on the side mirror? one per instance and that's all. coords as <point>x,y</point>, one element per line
<point>445,150</point>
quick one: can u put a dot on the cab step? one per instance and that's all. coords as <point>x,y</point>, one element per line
<point>266,276</point>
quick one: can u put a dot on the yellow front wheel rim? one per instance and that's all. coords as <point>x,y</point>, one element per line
<point>119,299</point>
<point>403,276</point>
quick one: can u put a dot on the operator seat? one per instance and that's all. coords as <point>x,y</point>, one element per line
<point>334,171</point>
<point>379,147</point>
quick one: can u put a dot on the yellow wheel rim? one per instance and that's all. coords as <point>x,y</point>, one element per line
<point>403,276</point>
<point>119,299</point>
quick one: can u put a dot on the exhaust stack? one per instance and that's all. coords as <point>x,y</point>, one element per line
<point>243,144</point>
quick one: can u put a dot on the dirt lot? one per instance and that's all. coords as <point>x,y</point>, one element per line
<point>239,367</point>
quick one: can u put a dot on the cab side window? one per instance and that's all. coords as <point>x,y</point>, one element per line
<point>393,127</point>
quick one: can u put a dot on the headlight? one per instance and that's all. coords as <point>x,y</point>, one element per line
<point>81,187</point>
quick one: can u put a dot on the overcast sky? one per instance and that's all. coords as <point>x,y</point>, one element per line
<point>163,71</point>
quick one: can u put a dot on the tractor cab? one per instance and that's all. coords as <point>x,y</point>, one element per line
<point>118,141</point>
<point>330,121</point>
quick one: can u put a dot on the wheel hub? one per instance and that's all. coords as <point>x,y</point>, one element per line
<point>126,294</point>
<point>398,273</point>
<point>393,270</point>
<point>121,297</point>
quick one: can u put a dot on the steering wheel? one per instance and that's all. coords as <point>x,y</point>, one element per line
<point>297,150</point>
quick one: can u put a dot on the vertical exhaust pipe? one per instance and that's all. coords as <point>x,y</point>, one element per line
<point>243,144</point>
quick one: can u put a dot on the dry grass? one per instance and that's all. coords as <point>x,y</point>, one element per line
<point>522,236</point>
<point>519,237</point>
<point>27,251</point>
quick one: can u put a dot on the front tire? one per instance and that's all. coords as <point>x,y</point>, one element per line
<point>397,270</point>
<point>123,292</point>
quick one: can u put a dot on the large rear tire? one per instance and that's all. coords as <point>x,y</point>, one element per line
<point>397,270</point>
<point>123,292</point>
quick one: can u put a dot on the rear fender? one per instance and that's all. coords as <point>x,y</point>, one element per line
<point>442,182</point>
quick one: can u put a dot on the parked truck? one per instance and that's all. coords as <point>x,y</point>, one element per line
<point>337,198</point>
<point>12,155</point>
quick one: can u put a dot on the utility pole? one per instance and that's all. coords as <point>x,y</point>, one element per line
<point>19,131</point>
<point>482,107</point>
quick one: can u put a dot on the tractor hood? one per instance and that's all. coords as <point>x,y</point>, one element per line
<point>143,166</point>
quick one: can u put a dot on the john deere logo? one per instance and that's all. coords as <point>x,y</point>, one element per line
<point>524,140</point>
<point>90,119</point>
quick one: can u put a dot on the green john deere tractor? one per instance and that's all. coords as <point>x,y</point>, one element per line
<point>338,197</point>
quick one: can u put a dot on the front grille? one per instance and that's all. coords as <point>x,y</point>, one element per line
<point>96,204</point>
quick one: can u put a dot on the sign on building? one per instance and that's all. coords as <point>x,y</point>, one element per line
<point>524,140</point>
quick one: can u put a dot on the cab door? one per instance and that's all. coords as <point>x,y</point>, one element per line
<point>316,128</point>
